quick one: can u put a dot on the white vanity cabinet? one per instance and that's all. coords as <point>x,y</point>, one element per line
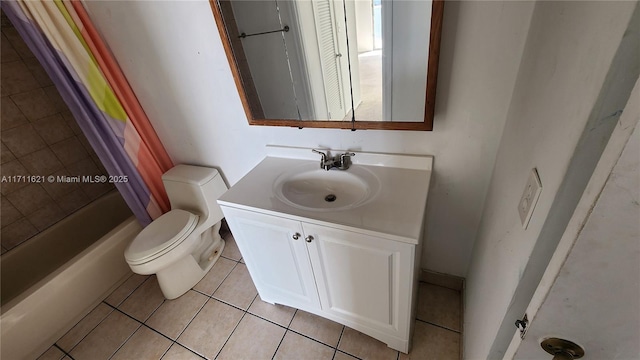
<point>363,281</point>
<point>341,244</point>
<point>277,261</point>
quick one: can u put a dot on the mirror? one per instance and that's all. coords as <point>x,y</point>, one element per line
<point>359,64</point>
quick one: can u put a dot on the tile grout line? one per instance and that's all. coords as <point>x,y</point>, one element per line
<point>230,335</point>
<point>245,311</point>
<point>230,259</point>
<point>143,323</point>
<point>280,343</point>
<point>155,310</point>
<point>346,353</point>
<point>166,351</point>
<point>440,326</point>
<point>154,330</point>
<point>223,280</point>
<point>230,304</point>
<point>158,332</point>
<point>59,348</point>
<point>87,334</point>
<point>288,328</point>
<point>140,322</point>
<point>190,321</point>
<point>293,317</point>
<point>340,338</point>
<point>310,338</point>
<point>209,297</point>
<point>126,340</point>
<point>180,345</point>
<point>131,293</point>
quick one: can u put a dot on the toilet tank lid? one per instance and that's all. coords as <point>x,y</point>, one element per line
<point>190,174</point>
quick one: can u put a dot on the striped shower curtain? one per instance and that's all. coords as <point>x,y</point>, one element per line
<point>62,37</point>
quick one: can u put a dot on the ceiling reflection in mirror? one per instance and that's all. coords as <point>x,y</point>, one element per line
<point>330,60</point>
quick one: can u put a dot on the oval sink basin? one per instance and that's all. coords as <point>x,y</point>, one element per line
<point>311,188</point>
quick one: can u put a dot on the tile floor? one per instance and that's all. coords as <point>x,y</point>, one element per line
<point>222,317</point>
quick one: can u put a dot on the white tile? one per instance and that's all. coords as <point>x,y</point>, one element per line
<point>316,327</point>
<point>211,328</point>
<point>84,327</point>
<point>253,339</point>
<point>52,354</point>
<point>215,276</point>
<point>173,316</point>
<point>103,341</point>
<point>433,343</point>
<point>296,346</point>
<point>365,347</point>
<point>237,289</point>
<point>279,314</point>
<point>144,344</point>
<point>144,300</point>
<point>439,306</point>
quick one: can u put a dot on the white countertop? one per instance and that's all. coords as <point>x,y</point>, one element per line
<point>396,212</point>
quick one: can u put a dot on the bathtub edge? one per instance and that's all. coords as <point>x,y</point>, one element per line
<point>32,322</point>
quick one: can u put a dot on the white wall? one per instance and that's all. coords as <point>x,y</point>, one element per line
<point>601,244</point>
<point>568,54</point>
<point>173,57</point>
<point>364,23</point>
<point>409,52</point>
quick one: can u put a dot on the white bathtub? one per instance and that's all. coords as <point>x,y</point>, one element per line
<point>53,280</point>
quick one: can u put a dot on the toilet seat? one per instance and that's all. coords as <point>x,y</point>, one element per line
<point>162,235</point>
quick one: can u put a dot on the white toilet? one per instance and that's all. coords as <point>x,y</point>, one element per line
<point>182,245</point>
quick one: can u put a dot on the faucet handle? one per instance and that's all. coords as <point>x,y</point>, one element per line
<point>346,155</point>
<point>323,161</point>
<point>323,154</point>
<point>345,160</point>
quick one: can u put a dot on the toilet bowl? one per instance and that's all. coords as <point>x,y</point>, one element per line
<point>181,246</point>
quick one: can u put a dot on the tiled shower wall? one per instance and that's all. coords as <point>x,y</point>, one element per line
<point>39,137</point>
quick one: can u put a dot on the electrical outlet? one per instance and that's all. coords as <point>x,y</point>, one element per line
<point>529,197</point>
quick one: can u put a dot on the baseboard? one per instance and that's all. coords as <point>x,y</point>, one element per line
<point>440,279</point>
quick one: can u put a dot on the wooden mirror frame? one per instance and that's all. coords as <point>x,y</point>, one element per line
<point>432,77</point>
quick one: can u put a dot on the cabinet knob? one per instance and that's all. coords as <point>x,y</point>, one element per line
<point>308,238</point>
<point>296,236</point>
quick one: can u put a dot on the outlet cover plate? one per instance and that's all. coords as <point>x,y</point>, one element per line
<point>529,197</point>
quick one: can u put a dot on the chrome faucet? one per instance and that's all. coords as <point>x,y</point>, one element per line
<point>340,162</point>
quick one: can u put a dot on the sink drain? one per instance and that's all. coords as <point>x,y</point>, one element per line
<point>330,198</point>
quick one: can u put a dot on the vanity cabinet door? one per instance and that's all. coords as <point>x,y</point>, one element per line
<point>278,263</point>
<point>364,280</point>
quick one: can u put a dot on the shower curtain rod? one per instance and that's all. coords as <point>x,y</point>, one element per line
<point>285,29</point>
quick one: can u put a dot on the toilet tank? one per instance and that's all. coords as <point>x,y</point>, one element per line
<point>195,189</point>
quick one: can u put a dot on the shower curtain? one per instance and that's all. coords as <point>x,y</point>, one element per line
<point>62,37</point>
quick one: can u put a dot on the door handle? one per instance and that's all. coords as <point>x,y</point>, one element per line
<point>308,239</point>
<point>562,349</point>
<point>296,236</point>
